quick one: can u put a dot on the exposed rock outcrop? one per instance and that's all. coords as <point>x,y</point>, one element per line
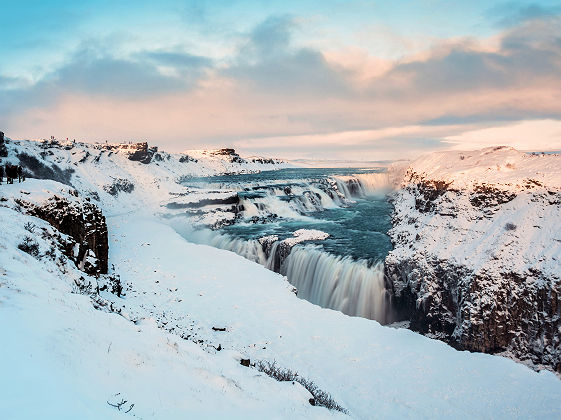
<point>142,153</point>
<point>83,222</point>
<point>138,152</point>
<point>229,154</point>
<point>119,185</point>
<point>3,148</point>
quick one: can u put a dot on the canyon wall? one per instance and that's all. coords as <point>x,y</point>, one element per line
<point>477,252</point>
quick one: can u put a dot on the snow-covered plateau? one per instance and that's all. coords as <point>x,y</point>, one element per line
<point>106,311</point>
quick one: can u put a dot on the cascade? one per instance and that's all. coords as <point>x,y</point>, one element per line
<point>352,286</point>
<point>361,185</point>
<point>340,283</point>
<point>343,284</point>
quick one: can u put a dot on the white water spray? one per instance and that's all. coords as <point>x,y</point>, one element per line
<point>338,283</point>
<point>361,185</point>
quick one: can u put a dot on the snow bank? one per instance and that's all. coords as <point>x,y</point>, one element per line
<point>303,235</point>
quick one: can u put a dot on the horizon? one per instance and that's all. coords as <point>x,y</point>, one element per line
<point>331,81</point>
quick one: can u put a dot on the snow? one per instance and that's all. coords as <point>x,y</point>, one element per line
<point>99,165</point>
<point>303,235</point>
<point>64,359</point>
<point>503,166</point>
<point>475,238</point>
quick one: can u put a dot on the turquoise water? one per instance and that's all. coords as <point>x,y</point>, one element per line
<point>357,226</point>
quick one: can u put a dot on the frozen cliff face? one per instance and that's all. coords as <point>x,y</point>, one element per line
<point>85,240</point>
<point>477,258</point>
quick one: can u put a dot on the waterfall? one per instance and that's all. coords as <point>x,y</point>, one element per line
<point>251,250</point>
<point>330,281</point>
<point>360,185</point>
<point>374,183</point>
<point>291,203</point>
<point>338,283</point>
<point>342,186</point>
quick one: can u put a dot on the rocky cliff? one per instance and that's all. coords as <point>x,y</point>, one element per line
<point>82,221</point>
<point>477,252</point>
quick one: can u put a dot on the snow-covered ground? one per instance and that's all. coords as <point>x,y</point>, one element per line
<point>95,168</point>
<point>484,191</point>
<point>500,165</point>
<point>157,347</point>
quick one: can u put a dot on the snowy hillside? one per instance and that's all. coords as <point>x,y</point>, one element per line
<point>125,176</point>
<point>477,256</point>
<point>169,330</point>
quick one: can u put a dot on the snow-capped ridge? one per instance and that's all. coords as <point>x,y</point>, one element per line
<point>501,166</point>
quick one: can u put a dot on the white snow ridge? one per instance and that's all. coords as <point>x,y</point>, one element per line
<point>176,330</point>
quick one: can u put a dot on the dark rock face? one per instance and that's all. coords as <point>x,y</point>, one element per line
<point>276,251</point>
<point>119,185</point>
<point>354,186</point>
<point>491,307</point>
<point>187,158</point>
<point>3,148</point>
<point>83,222</point>
<point>138,152</point>
<point>37,169</point>
<point>478,311</point>
<point>141,153</point>
<point>230,155</point>
<point>233,199</point>
<point>264,161</point>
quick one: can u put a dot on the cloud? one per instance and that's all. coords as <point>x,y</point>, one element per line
<point>176,59</point>
<point>7,82</point>
<point>272,36</point>
<point>275,95</point>
<point>387,143</point>
<point>270,62</point>
<point>527,55</point>
<point>95,74</point>
<point>514,13</point>
<point>113,77</point>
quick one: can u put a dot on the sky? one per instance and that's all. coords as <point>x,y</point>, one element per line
<point>329,79</point>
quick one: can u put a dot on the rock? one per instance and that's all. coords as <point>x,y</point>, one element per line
<point>141,153</point>
<point>187,158</point>
<point>3,148</point>
<point>232,199</point>
<point>245,362</point>
<point>83,222</point>
<point>118,185</point>
<point>480,311</point>
<point>230,155</point>
<point>218,329</point>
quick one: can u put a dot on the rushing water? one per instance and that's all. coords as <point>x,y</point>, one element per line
<point>344,271</point>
